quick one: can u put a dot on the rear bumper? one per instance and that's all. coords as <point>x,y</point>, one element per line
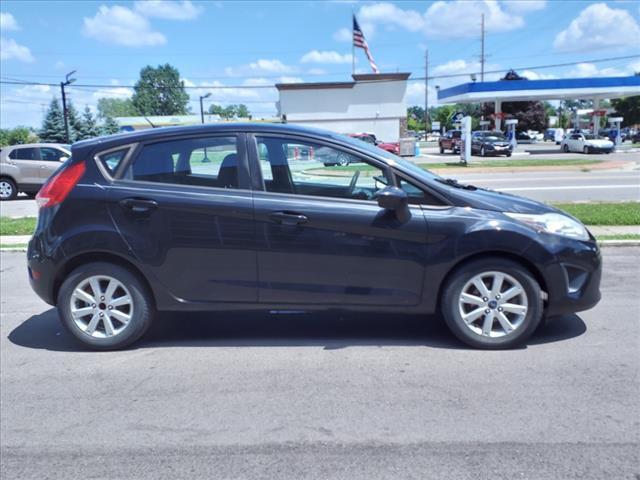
<point>41,271</point>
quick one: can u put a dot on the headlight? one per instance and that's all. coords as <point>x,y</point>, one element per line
<point>555,223</point>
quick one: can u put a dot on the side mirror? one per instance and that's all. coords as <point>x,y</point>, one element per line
<point>396,200</point>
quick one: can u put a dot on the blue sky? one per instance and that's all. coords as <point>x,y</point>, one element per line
<point>246,44</point>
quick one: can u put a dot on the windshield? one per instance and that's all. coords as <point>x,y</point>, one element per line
<point>594,137</point>
<point>393,160</point>
<point>494,136</point>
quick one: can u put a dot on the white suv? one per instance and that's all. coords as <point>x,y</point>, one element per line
<point>24,168</point>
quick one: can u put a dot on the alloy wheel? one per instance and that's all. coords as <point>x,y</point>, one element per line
<point>6,189</point>
<point>493,304</point>
<point>101,306</point>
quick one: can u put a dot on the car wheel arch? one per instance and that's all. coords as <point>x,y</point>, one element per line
<point>498,254</point>
<point>91,257</point>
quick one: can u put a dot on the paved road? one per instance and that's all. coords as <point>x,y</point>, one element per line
<point>325,396</point>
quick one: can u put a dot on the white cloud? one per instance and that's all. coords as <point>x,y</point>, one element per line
<point>12,50</point>
<point>524,6</point>
<point>599,26</point>
<point>317,71</point>
<point>461,18</point>
<point>592,70</point>
<point>290,80</point>
<point>389,14</point>
<point>275,66</point>
<point>170,10</point>
<point>531,75</point>
<point>8,22</point>
<point>122,26</point>
<point>325,56</point>
<point>343,35</point>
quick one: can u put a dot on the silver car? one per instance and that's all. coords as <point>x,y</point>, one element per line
<point>24,168</point>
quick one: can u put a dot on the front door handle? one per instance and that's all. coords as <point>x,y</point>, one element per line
<point>139,205</point>
<point>288,218</point>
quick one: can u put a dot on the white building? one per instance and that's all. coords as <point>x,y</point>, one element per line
<point>374,103</point>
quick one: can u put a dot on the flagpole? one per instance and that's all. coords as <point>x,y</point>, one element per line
<point>353,46</point>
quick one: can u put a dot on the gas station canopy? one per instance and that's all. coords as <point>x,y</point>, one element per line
<point>532,90</point>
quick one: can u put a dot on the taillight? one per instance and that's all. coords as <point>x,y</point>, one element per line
<point>58,187</point>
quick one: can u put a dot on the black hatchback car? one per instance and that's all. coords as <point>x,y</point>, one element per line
<point>226,217</point>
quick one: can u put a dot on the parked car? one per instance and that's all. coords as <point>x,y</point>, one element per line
<point>391,147</point>
<point>553,135</point>
<point>485,143</point>
<point>611,133</point>
<point>524,137</point>
<point>135,223</point>
<point>451,140</point>
<point>24,168</point>
<point>586,143</point>
<point>635,138</point>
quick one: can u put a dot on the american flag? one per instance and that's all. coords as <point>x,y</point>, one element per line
<point>360,42</point>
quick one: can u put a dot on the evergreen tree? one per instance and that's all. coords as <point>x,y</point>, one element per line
<point>88,127</point>
<point>53,124</point>
<point>75,123</point>
<point>110,126</point>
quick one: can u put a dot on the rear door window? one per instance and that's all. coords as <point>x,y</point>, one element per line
<point>52,154</point>
<point>205,162</point>
<point>25,154</point>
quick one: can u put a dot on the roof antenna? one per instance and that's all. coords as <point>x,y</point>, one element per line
<point>150,122</point>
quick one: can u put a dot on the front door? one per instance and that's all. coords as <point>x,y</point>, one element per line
<point>321,236</point>
<point>185,208</point>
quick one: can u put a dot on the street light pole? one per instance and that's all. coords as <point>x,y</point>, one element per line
<point>201,107</point>
<point>67,81</point>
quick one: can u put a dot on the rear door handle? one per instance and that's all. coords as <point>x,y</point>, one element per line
<point>288,218</point>
<point>139,205</point>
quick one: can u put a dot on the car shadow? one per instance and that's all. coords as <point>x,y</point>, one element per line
<point>330,330</point>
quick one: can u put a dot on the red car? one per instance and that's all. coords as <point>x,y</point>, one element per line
<point>450,141</point>
<point>393,147</point>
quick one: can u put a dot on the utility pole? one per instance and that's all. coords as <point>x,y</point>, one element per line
<point>482,49</point>
<point>67,81</point>
<point>201,108</point>
<point>426,90</point>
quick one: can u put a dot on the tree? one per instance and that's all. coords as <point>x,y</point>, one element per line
<point>159,91</point>
<point>110,126</point>
<point>17,136</point>
<point>415,118</point>
<point>628,108</point>
<point>230,111</point>
<point>530,115</point>
<point>88,127</point>
<point>53,124</point>
<point>116,107</point>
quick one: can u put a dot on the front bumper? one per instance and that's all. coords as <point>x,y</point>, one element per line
<point>593,149</point>
<point>573,280</point>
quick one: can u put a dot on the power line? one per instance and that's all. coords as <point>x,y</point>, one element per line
<point>255,87</point>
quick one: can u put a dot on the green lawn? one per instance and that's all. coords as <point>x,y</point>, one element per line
<point>532,162</point>
<point>624,236</point>
<point>17,226</point>
<point>622,213</point>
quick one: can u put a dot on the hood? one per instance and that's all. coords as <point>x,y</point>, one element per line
<point>497,201</point>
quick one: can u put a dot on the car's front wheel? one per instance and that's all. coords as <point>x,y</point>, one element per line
<point>586,150</point>
<point>8,189</point>
<point>565,148</point>
<point>492,304</point>
<point>105,306</point>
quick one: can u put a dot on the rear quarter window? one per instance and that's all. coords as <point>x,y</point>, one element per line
<point>112,160</point>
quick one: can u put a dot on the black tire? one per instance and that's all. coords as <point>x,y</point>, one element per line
<point>508,154</point>
<point>441,149</point>
<point>451,310</point>
<point>483,153</point>
<point>586,150</point>
<point>9,189</point>
<point>342,160</point>
<point>565,148</point>
<point>143,306</point>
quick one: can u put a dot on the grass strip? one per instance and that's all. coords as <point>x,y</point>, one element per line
<point>624,236</point>
<point>17,226</point>
<point>604,213</point>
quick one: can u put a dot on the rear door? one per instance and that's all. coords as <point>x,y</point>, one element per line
<point>321,236</point>
<point>27,159</point>
<point>185,208</point>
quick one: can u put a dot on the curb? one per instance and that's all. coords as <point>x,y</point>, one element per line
<point>619,243</point>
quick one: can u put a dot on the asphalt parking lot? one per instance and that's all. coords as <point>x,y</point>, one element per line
<point>324,396</point>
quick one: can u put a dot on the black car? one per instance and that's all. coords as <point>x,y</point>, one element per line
<point>139,223</point>
<point>490,143</point>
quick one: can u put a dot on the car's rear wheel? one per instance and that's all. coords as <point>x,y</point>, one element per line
<point>342,159</point>
<point>441,149</point>
<point>586,150</point>
<point>492,304</point>
<point>8,189</point>
<point>105,306</point>
<point>483,153</point>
